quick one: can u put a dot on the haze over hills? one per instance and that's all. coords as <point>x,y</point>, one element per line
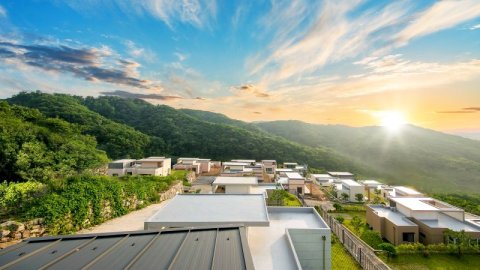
<point>428,160</point>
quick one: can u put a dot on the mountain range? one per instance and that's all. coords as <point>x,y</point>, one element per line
<point>428,160</point>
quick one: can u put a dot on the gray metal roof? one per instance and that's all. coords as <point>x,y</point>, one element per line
<point>221,247</point>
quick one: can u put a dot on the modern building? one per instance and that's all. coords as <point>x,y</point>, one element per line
<point>270,166</point>
<point>282,172</point>
<point>342,175</point>
<point>197,165</point>
<point>290,165</point>
<point>278,237</point>
<point>432,218</point>
<point>235,185</point>
<point>371,186</point>
<point>234,167</point>
<point>351,188</point>
<point>251,162</point>
<point>119,167</point>
<point>157,166</point>
<point>401,191</point>
<point>217,247</point>
<point>322,179</point>
<point>296,184</point>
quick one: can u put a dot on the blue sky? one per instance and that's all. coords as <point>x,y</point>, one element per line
<point>319,61</point>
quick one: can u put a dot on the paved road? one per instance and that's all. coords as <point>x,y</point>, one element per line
<point>132,221</point>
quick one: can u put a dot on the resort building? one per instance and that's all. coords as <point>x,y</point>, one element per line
<point>351,188</point>
<point>322,179</point>
<point>157,166</point>
<point>421,219</point>
<point>342,175</point>
<point>235,185</point>
<point>270,166</point>
<point>371,186</point>
<point>197,165</point>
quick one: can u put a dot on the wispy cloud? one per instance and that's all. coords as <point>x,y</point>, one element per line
<point>251,89</point>
<point>331,36</point>
<point>442,15</point>
<point>3,11</point>
<point>88,63</point>
<point>126,94</point>
<point>475,27</point>
<point>199,13</point>
<point>463,110</point>
<point>136,51</point>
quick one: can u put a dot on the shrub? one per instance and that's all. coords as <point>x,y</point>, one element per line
<point>389,248</point>
<point>372,238</point>
<point>340,219</point>
<point>356,222</point>
<point>16,197</point>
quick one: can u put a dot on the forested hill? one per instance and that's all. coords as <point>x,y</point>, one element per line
<point>429,160</point>
<point>129,128</point>
<point>35,147</point>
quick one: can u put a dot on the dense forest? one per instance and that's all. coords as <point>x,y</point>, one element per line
<point>35,147</point>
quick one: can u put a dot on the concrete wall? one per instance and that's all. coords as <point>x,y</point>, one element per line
<point>237,189</point>
<point>374,221</point>
<point>310,245</point>
<point>394,233</point>
<point>117,172</point>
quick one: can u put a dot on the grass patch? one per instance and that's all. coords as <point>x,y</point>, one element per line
<point>341,259</point>
<point>291,200</point>
<point>434,262</point>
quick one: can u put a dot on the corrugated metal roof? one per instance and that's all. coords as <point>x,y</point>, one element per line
<point>220,247</point>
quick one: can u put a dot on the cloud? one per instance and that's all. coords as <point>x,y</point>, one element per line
<point>199,13</point>
<point>441,15</point>
<point>463,110</point>
<point>307,37</point>
<point>181,57</point>
<point>253,90</point>
<point>3,11</point>
<point>136,51</point>
<point>475,27</point>
<point>91,64</point>
<point>126,94</point>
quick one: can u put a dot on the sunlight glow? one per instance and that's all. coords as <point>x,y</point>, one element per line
<point>392,120</point>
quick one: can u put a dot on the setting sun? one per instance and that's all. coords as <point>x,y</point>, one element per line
<point>392,120</point>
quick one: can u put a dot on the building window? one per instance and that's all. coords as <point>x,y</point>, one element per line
<point>115,174</point>
<point>129,173</point>
<point>299,190</point>
<point>409,237</point>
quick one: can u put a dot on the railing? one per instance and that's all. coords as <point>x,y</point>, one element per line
<point>360,251</point>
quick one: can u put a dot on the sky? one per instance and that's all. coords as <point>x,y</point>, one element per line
<point>326,62</point>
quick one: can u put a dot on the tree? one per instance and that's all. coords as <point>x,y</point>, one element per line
<point>356,222</point>
<point>340,219</point>
<point>277,197</point>
<point>359,197</point>
<point>389,248</point>
<point>338,207</point>
<point>345,196</point>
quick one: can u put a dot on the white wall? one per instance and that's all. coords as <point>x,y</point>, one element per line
<point>237,189</point>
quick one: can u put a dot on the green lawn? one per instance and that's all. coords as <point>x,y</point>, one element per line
<point>291,200</point>
<point>341,259</point>
<point>434,262</point>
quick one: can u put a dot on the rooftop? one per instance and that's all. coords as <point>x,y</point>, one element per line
<point>244,160</point>
<point>225,180</point>
<point>224,247</point>
<point>290,163</point>
<point>340,173</point>
<point>445,221</point>
<point>370,182</point>
<point>284,170</point>
<point>123,160</point>
<point>191,210</point>
<point>235,164</point>
<point>294,175</point>
<point>406,190</point>
<point>270,246</point>
<point>154,159</point>
<point>415,204</point>
<point>321,175</point>
<point>395,217</point>
<point>351,183</point>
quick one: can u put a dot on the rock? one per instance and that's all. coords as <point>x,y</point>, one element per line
<point>17,236</point>
<point>13,226</point>
<point>4,233</point>
<point>26,234</point>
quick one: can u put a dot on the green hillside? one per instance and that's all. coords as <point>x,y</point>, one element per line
<point>136,128</point>
<point>429,160</point>
<point>38,148</point>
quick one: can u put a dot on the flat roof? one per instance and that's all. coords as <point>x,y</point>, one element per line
<point>224,247</point>
<point>270,247</point>
<point>235,164</point>
<point>226,180</point>
<point>351,183</point>
<point>122,160</point>
<point>291,163</point>
<point>294,175</point>
<point>320,175</point>
<point>415,204</point>
<point>244,160</point>
<point>154,159</point>
<point>190,210</point>
<point>269,160</point>
<point>395,217</point>
<point>445,221</point>
<point>340,173</point>
<point>188,158</point>
<point>284,170</point>
<point>370,182</point>
<point>282,180</point>
<point>406,190</point>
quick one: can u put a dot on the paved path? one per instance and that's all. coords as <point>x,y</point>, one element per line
<point>132,221</point>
